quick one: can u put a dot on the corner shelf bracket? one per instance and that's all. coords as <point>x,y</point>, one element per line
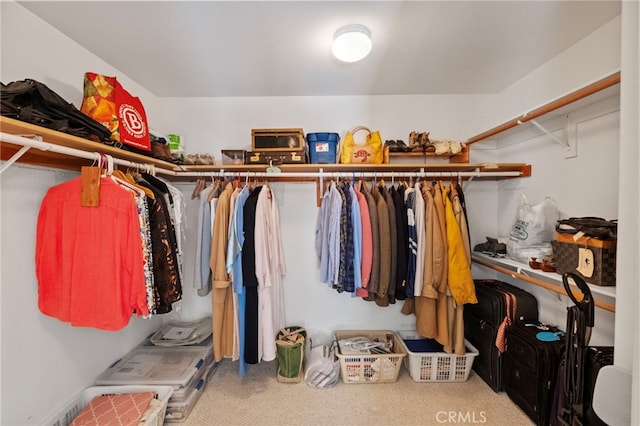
<point>15,157</point>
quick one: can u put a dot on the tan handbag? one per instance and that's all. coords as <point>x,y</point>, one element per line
<point>368,152</point>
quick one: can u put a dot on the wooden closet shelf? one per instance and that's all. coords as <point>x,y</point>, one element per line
<point>46,156</point>
<point>604,297</point>
<point>460,157</point>
<point>52,159</point>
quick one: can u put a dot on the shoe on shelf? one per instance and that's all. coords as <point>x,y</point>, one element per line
<point>204,159</point>
<point>413,141</point>
<point>455,146</point>
<point>533,263</point>
<point>548,264</point>
<point>401,146</point>
<point>422,142</point>
<point>391,144</point>
<point>492,246</point>
<point>442,147</point>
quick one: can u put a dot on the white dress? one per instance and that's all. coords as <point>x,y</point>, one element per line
<point>270,268</point>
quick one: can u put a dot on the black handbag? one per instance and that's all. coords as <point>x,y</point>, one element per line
<point>33,102</point>
<point>594,227</point>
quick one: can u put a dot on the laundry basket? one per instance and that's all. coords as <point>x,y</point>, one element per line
<point>361,365</point>
<point>426,366</point>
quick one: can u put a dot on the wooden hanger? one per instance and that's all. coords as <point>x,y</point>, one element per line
<point>200,185</point>
<point>214,190</point>
<point>90,184</point>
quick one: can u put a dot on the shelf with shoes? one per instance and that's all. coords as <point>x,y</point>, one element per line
<point>64,151</point>
<point>420,145</point>
<point>75,152</point>
<point>552,281</point>
<point>430,154</point>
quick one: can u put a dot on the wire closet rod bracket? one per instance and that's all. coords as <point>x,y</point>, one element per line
<point>563,143</point>
<point>14,158</point>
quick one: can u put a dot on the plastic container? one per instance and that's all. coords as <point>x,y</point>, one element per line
<point>233,156</point>
<point>65,415</point>
<point>177,367</point>
<point>178,412</point>
<point>430,366</point>
<point>323,147</point>
<point>367,367</point>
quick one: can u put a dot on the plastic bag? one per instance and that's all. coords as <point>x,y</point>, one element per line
<point>106,101</point>
<point>533,230</point>
<point>322,370</point>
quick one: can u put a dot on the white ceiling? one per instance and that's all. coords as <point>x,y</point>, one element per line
<point>283,48</point>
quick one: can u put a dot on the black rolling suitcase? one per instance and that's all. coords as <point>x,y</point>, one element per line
<point>483,320</point>
<point>531,365</point>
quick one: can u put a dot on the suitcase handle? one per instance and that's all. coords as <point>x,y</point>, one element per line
<point>586,304</point>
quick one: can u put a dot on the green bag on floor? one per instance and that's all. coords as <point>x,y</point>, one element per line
<point>290,344</point>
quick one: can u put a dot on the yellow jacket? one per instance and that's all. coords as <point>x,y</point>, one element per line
<point>459,272</point>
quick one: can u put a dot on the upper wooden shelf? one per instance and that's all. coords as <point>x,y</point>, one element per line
<point>52,159</point>
<point>49,158</point>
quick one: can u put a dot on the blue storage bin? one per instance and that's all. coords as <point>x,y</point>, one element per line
<point>323,147</point>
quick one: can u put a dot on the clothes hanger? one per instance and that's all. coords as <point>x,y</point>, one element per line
<point>90,183</point>
<point>214,190</point>
<point>137,189</point>
<point>198,188</point>
<point>131,180</point>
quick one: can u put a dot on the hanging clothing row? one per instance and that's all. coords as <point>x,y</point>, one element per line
<point>98,264</point>
<point>404,242</point>
<point>240,261</point>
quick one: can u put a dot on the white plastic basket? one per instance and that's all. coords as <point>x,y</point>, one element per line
<point>65,415</point>
<point>437,366</point>
<point>370,368</point>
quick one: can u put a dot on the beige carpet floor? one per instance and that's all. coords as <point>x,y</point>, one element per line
<point>259,399</point>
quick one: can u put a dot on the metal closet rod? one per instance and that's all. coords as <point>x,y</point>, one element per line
<point>350,175</point>
<point>37,143</point>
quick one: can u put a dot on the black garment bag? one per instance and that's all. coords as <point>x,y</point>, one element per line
<point>33,102</point>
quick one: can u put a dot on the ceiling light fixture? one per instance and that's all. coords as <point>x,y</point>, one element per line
<point>351,43</point>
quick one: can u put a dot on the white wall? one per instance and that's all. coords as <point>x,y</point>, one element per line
<point>44,361</point>
<point>628,317</point>
<point>583,184</point>
<point>594,57</point>
<point>210,125</point>
<point>64,360</point>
